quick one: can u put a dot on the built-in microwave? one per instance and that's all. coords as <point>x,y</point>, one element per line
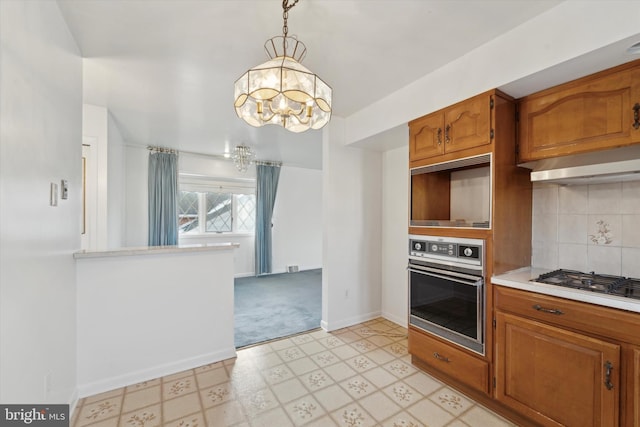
<point>452,194</point>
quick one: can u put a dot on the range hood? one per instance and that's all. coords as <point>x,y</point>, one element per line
<point>620,164</point>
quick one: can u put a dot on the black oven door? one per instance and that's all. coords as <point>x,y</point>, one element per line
<point>449,304</point>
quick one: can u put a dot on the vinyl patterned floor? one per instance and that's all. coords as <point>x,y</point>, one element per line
<point>357,376</point>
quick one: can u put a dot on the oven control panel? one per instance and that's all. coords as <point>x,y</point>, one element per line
<point>456,249</point>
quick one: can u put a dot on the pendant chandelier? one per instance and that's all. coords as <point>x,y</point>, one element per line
<point>282,91</point>
<point>242,157</point>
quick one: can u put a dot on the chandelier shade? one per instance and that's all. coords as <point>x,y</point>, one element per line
<point>282,91</point>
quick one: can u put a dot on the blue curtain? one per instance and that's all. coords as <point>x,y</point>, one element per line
<point>266,187</point>
<point>163,198</point>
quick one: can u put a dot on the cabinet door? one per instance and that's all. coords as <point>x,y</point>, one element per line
<point>426,137</point>
<point>592,114</point>
<point>468,124</point>
<point>632,402</point>
<point>554,376</point>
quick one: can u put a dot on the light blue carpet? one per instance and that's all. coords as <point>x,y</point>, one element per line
<point>276,305</point>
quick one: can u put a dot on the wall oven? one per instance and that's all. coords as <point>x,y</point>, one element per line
<point>446,288</point>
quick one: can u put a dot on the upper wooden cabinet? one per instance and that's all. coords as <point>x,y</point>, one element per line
<point>596,112</point>
<point>464,125</point>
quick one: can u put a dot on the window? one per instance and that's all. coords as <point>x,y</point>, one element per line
<point>215,212</point>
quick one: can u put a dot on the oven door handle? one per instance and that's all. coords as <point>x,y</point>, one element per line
<point>456,277</point>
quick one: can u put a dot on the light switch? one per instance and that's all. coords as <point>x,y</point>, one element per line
<point>64,189</point>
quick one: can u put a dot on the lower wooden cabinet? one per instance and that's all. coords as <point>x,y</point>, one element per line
<point>554,376</point>
<point>631,416</point>
<point>451,361</point>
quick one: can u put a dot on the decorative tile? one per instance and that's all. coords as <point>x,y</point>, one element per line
<point>332,397</point>
<point>212,377</point>
<point>258,401</point>
<point>331,342</point>
<point>302,339</point>
<point>290,354</point>
<point>396,349</point>
<point>400,369</point>
<point>147,417</point>
<point>304,410</point>
<point>604,230</point>
<point>316,380</point>
<point>402,394</point>
<point>325,358</point>
<point>451,401</point>
<point>357,387</point>
<point>181,406</point>
<point>217,394</point>
<point>140,399</point>
<point>361,363</point>
<point>353,416</point>
<point>277,374</point>
<point>379,406</point>
<point>97,411</point>
<point>363,346</point>
<point>179,387</point>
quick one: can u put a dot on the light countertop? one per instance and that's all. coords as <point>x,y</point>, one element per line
<point>153,250</point>
<point>521,279</point>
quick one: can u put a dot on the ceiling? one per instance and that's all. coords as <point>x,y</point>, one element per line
<point>165,68</point>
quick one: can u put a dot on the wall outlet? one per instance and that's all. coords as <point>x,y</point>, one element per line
<point>53,194</point>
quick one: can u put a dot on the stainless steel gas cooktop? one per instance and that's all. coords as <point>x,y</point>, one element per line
<point>600,283</point>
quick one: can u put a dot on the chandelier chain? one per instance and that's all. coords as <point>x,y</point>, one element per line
<point>285,15</point>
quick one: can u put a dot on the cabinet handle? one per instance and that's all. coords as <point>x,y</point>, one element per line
<point>636,116</point>
<point>439,136</point>
<point>447,128</point>
<point>607,379</point>
<point>538,307</point>
<point>439,357</point>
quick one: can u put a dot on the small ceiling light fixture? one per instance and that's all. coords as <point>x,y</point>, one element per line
<point>282,91</point>
<point>242,157</point>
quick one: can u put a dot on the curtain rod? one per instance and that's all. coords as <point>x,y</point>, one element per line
<point>162,149</point>
<point>268,163</point>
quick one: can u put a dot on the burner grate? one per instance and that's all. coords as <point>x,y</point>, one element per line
<point>601,283</point>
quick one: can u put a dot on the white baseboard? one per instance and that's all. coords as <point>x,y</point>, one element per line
<point>73,402</point>
<point>107,384</point>
<point>395,319</point>
<point>344,323</point>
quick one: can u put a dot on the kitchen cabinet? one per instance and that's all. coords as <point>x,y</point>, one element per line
<point>449,360</point>
<point>554,376</point>
<point>566,363</point>
<point>461,126</point>
<point>596,112</point>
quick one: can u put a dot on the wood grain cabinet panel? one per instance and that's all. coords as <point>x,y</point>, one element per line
<point>461,126</point>
<point>589,114</point>
<point>554,376</point>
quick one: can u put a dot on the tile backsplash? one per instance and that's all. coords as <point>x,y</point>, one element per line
<point>587,227</point>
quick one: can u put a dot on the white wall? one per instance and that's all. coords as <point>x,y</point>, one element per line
<point>395,215</point>
<point>565,32</point>
<point>297,220</point>
<point>297,232</point>
<point>40,130</point>
<point>351,253</point>
<point>116,185</point>
<point>144,316</point>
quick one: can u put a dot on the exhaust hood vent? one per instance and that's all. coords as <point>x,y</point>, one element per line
<point>620,164</point>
